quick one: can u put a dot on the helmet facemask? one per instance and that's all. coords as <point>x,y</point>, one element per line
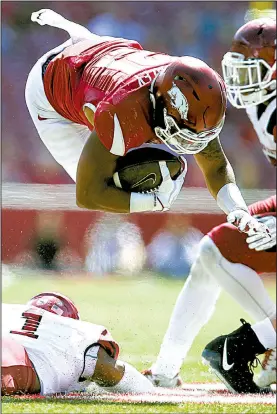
<point>182,140</point>
<point>248,81</point>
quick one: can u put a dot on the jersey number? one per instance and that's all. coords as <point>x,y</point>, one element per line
<point>30,326</point>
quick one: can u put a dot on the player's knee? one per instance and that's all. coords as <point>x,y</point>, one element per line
<point>228,241</point>
<point>208,251</point>
<point>208,256</point>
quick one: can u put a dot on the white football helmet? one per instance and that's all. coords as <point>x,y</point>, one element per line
<point>249,69</point>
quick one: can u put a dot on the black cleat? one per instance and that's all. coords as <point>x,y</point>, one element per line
<point>232,358</point>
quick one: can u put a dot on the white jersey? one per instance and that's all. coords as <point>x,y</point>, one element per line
<point>56,345</point>
<point>262,117</point>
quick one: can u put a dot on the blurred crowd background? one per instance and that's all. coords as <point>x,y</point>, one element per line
<point>200,29</point>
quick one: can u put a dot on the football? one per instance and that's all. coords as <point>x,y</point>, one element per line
<point>139,170</point>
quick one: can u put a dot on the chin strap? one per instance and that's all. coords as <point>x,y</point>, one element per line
<point>153,99</point>
<point>151,91</point>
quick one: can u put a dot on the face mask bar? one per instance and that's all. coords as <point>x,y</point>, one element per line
<point>184,141</point>
<point>248,82</point>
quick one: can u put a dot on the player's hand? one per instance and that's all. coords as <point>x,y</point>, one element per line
<point>245,222</point>
<point>169,189</point>
<point>263,241</point>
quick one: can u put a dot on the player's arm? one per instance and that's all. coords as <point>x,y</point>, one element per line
<point>215,167</point>
<point>118,376</point>
<point>220,180</point>
<point>95,169</point>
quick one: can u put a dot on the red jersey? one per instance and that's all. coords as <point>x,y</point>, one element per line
<point>112,78</point>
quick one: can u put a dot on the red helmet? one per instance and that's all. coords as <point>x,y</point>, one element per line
<point>55,303</point>
<point>190,100</point>
<point>249,69</point>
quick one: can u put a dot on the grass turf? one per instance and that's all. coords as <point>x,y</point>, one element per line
<point>83,407</point>
<point>136,311</point>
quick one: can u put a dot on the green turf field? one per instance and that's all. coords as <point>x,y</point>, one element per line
<point>137,313</point>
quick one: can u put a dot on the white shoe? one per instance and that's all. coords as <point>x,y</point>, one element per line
<point>162,380</point>
<point>49,17</point>
<point>267,375</point>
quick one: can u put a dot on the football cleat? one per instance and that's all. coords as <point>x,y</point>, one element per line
<point>232,358</point>
<point>162,380</point>
<point>267,375</point>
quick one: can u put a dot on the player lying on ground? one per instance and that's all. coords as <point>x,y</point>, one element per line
<point>232,357</point>
<point>47,349</point>
<point>93,98</point>
<point>227,258</point>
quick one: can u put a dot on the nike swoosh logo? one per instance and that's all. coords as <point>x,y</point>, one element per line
<point>118,144</point>
<point>225,364</point>
<point>41,119</point>
<point>150,177</point>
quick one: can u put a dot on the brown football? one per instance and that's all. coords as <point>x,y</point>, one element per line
<point>139,170</point>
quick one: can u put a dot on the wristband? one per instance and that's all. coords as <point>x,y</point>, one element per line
<point>229,199</point>
<point>144,202</point>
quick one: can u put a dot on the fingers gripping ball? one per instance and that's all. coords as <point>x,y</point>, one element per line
<point>139,171</point>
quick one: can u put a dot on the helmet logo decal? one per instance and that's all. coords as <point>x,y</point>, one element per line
<point>42,301</point>
<point>57,310</point>
<point>179,101</point>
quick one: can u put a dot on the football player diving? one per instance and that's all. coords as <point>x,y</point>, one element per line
<point>94,98</point>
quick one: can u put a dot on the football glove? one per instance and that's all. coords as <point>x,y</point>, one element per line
<point>169,189</point>
<point>263,241</point>
<point>245,222</point>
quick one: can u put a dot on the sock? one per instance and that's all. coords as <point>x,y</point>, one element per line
<point>132,382</point>
<point>194,307</point>
<point>265,333</point>
<point>244,285</point>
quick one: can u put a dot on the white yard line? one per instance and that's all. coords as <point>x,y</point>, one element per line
<point>200,393</point>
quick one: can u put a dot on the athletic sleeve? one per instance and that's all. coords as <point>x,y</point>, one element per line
<point>265,206</point>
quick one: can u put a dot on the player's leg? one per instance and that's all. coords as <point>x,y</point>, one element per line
<point>75,30</point>
<point>194,307</point>
<point>17,373</point>
<point>210,270</point>
<point>51,18</point>
<point>113,375</point>
<point>242,279</point>
<point>236,269</point>
<point>232,356</point>
<point>64,139</point>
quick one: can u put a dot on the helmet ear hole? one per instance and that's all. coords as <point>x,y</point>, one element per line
<point>195,94</point>
<point>178,77</point>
